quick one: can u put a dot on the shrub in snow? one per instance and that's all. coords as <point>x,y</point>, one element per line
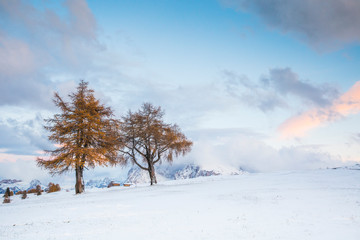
<point>7,200</point>
<point>53,187</point>
<point>7,196</point>
<point>31,190</point>
<point>113,184</point>
<point>24,195</point>
<point>8,193</point>
<point>38,190</point>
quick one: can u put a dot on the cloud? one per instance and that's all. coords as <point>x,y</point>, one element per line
<point>355,138</point>
<point>251,93</point>
<point>36,44</point>
<point>251,153</point>
<point>346,104</point>
<point>273,91</point>
<point>188,105</point>
<point>24,168</point>
<point>19,80</point>
<point>324,25</point>
<point>23,137</point>
<point>285,82</point>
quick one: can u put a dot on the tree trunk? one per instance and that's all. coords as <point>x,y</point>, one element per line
<point>79,186</point>
<point>152,174</point>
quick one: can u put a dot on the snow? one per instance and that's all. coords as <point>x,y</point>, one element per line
<point>321,204</point>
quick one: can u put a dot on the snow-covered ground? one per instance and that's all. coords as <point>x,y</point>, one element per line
<point>321,204</point>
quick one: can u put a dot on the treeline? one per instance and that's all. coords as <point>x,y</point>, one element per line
<point>87,135</point>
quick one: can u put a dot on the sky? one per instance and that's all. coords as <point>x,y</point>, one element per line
<point>262,85</point>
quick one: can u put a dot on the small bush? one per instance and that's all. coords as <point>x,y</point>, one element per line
<point>19,192</point>
<point>7,193</point>
<point>113,184</point>
<point>31,190</point>
<point>6,200</point>
<point>38,190</point>
<point>7,196</point>
<point>53,187</point>
<point>24,195</point>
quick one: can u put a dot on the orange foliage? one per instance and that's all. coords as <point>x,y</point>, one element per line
<point>31,190</point>
<point>85,133</point>
<point>53,187</point>
<point>113,184</point>
<point>147,140</point>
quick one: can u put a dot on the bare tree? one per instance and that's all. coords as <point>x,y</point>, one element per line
<point>147,140</point>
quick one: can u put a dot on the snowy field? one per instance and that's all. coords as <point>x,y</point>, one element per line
<point>321,204</point>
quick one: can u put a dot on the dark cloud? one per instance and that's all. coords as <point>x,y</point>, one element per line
<point>323,24</point>
<point>36,44</point>
<point>285,82</point>
<point>271,92</point>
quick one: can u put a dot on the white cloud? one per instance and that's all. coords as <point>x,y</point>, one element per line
<point>250,152</point>
<point>45,43</point>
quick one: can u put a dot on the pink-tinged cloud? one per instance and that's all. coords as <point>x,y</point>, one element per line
<point>7,157</point>
<point>346,104</point>
<point>16,58</point>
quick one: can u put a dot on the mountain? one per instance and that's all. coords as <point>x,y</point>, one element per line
<point>194,171</point>
<point>354,167</point>
<point>18,185</point>
<point>137,175</point>
<point>98,183</point>
<point>13,184</point>
<point>164,173</point>
<point>33,184</point>
<point>9,181</point>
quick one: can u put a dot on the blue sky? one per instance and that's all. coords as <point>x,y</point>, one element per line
<point>262,85</point>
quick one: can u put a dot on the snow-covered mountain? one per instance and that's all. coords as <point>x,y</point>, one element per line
<point>354,167</point>
<point>163,173</point>
<point>18,185</point>
<point>34,183</point>
<point>98,183</point>
<point>14,185</point>
<point>194,171</point>
<point>137,175</point>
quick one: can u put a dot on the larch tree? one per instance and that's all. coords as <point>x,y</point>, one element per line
<point>147,140</point>
<point>85,133</point>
